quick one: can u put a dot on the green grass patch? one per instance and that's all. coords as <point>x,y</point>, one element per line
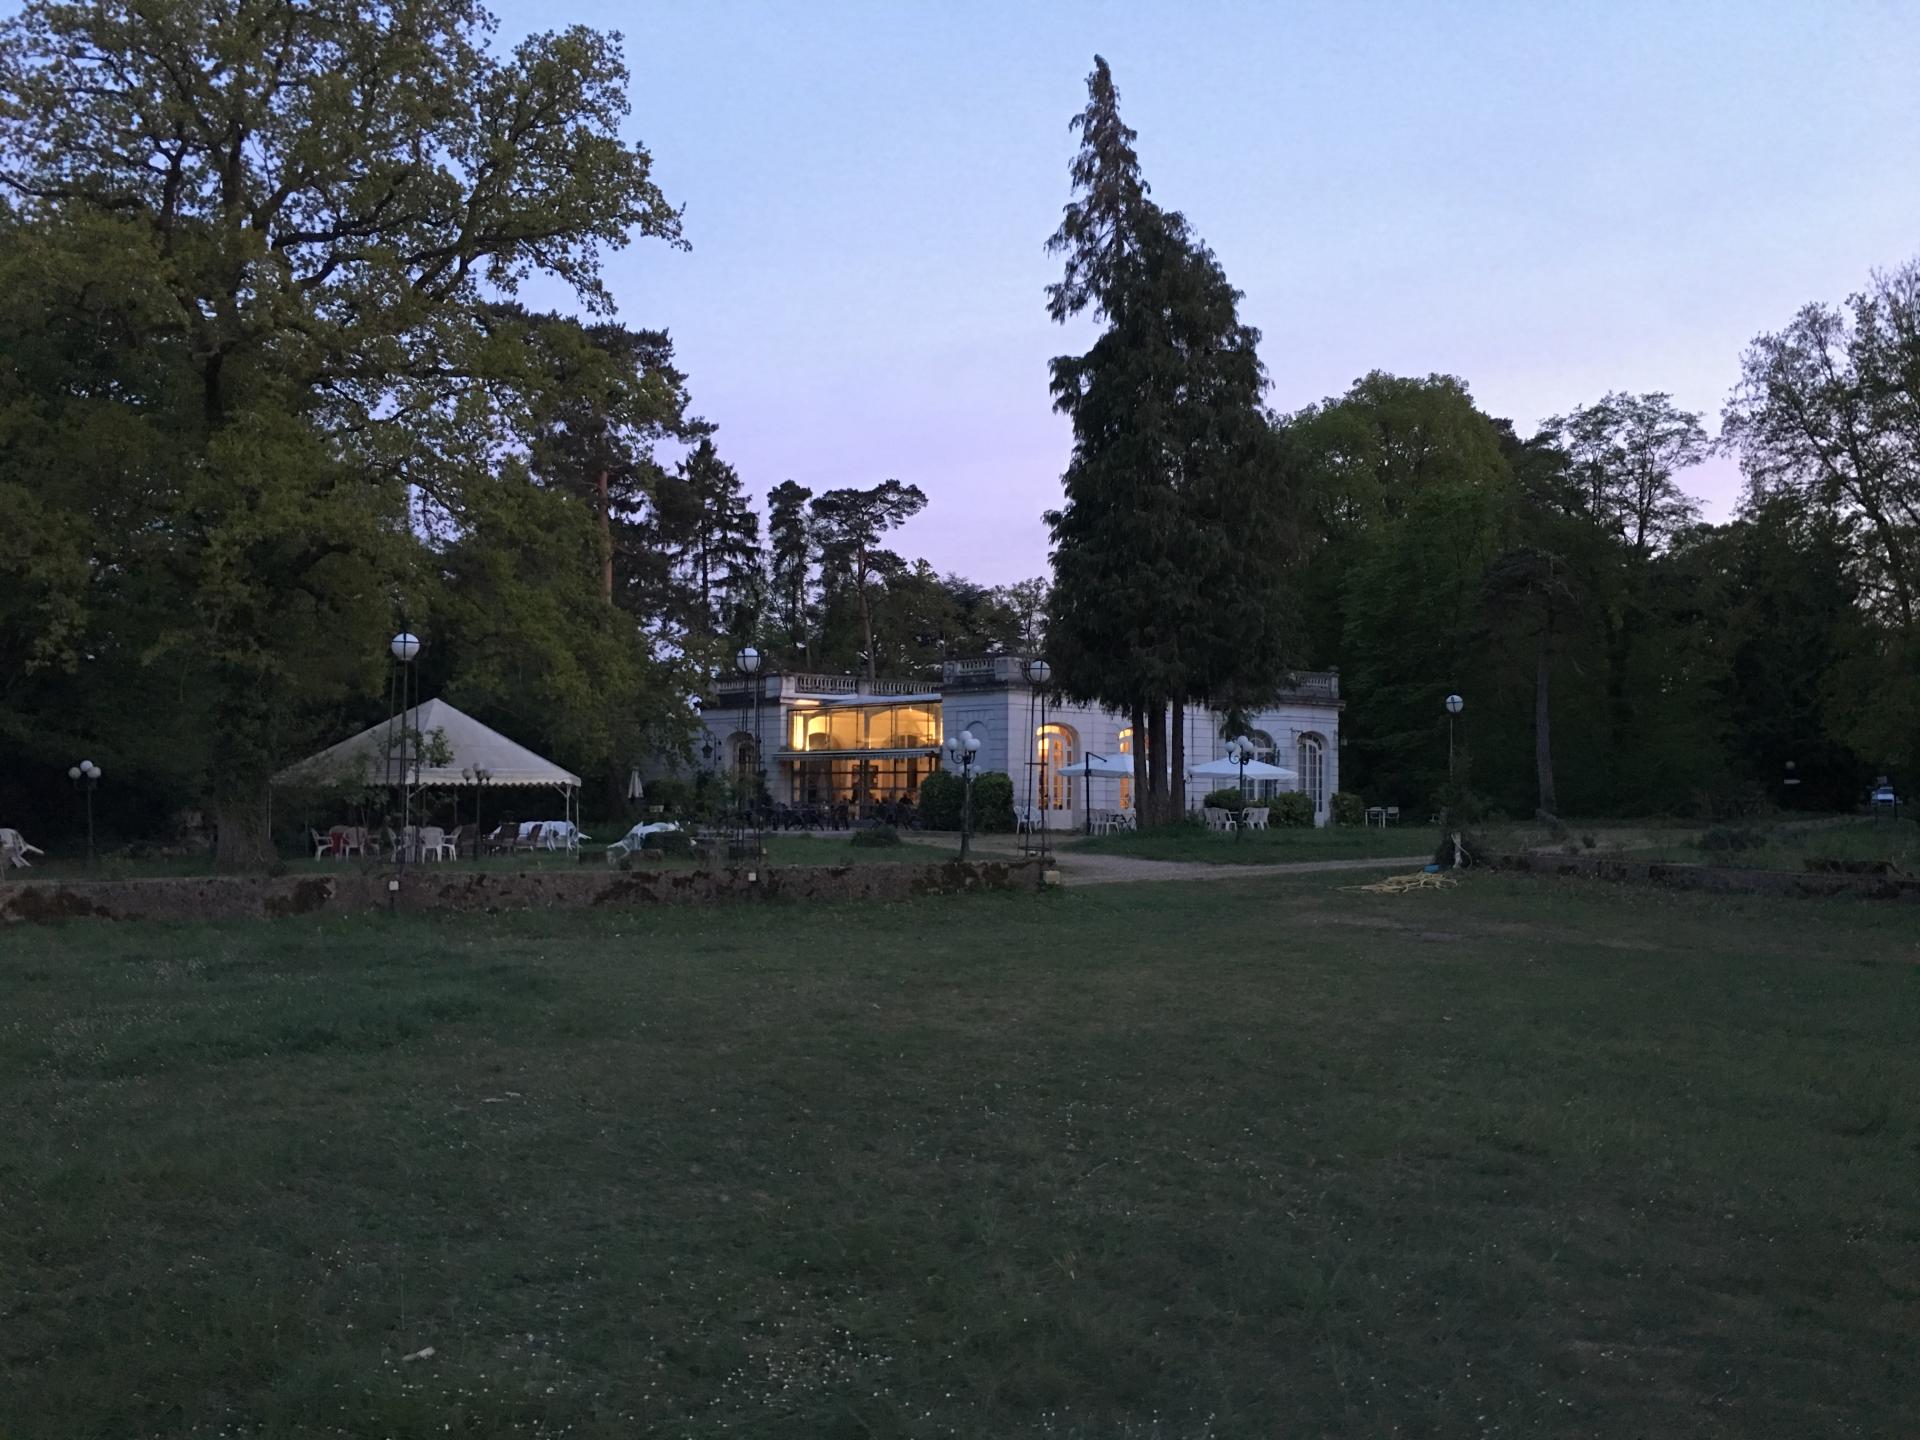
<point>781,850</point>
<point>1192,844</point>
<point>1262,1158</point>
<point>1789,847</point>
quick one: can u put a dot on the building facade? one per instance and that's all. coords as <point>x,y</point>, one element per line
<point>843,740</point>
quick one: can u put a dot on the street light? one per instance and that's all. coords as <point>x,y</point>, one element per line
<point>1039,672</point>
<point>85,776</point>
<point>477,776</point>
<point>404,647</point>
<point>1454,706</point>
<point>1241,751</point>
<point>747,659</point>
<point>964,747</point>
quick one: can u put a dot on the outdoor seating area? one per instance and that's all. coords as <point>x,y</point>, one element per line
<point>841,815</point>
<point>1222,819</point>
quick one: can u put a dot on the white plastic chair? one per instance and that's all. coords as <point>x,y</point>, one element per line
<point>1024,820</point>
<point>14,850</point>
<point>428,843</point>
<point>1217,818</point>
<point>322,843</point>
<point>1255,818</point>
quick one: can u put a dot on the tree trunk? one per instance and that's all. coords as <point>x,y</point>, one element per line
<point>1542,741</point>
<point>1177,759</point>
<point>866,618</point>
<point>1138,715</point>
<point>604,509</point>
<point>1157,761</point>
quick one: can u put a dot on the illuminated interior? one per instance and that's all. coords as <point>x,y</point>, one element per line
<point>839,745</point>
<point>875,727</point>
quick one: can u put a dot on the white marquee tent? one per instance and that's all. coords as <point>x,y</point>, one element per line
<point>469,746</point>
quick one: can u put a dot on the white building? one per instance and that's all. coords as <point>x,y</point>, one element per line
<point>840,739</point>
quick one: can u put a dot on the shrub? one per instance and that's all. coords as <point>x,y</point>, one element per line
<point>993,802</point>
<point>1348,808</point>
<point>875,836</point>
<point>668,842</point>
<point>942,794</point>
<point>1291,810</point>
<point>672,793</point>
<point>1224,800</point>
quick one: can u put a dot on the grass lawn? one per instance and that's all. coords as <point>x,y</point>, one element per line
<point>1259,847</point>
<point>781,850</point>
<point>1526,1158</point>
<point>1789,847</point>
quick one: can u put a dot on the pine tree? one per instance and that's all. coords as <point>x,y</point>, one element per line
<point>848,524</point>
<point>1171,552</point>
<point>790,557</point>
<point>711,536</point>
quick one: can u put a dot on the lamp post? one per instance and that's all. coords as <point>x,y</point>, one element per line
<point>1039,672</point>
<point>748,662</point>
<point>85,776</point>
<point>964,747</point>
<point>1454,706</point>
<point>477,776</point>
<point>404,647</point>
<point>1241,749</point>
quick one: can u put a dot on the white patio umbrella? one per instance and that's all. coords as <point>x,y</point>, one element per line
<point>1098,767</point>
<point>635,790</point>
<point>1233,770</point>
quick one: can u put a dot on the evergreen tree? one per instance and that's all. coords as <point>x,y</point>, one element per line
<point>847,525</point>
<point>1170,552</point>
<point>709,532</point>
<point>791,551</point>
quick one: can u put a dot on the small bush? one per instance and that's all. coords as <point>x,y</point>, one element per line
<point>1348,808</point>
<point>942,796</point>
<point>672,793</point>
<point>1292,811</point>
<point>1588,840</point>
<point>668,842</point>
<point>993,802</point>
<point>875,836</point>
<point>1224,800</point>
<point>1725,839</point>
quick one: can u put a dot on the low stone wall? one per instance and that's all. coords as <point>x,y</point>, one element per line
<point>348,890</point>
<point>1726,878</point>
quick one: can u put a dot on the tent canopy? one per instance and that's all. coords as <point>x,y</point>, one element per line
<point>472,746</point>
<point>1232,770</point>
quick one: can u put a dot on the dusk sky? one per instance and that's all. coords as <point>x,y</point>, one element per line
<point>1548,201</point>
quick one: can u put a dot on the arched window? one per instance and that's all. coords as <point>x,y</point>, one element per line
<point>1311,752</point>
<point>1126,786</point>
<point>1055,749</point>
<point>741,749</point>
